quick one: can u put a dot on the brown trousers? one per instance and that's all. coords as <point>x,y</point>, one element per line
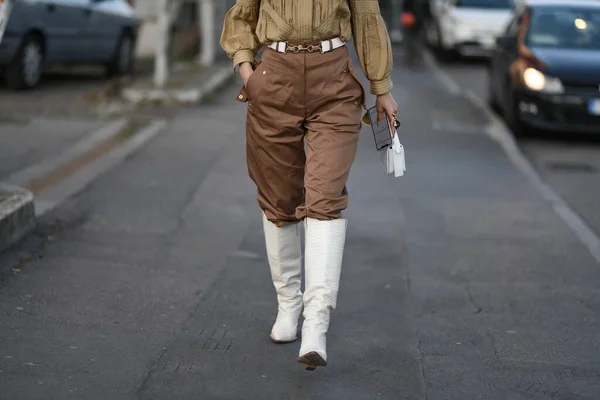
<point>295,98</point>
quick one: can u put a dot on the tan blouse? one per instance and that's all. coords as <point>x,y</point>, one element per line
<point>252,23</point>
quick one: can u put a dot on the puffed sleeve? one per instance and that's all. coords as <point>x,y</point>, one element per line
<point>238,38</point>
<point>372,43</point>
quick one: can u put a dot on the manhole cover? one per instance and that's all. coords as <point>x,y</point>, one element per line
<point>571,167</point>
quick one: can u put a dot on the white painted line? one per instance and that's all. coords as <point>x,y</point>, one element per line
<point>498,132</point>
<point>23,177</point>
<point>49,199</point>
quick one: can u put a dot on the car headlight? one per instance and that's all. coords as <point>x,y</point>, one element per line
<point>535,80</point>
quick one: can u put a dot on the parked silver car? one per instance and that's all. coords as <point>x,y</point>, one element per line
<point>46,32</point>
<point>467,27</point>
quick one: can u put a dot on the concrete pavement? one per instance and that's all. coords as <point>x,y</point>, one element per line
<point>459,281</point>
<point>24,142</point>
<point>53,155</point>
<point>570,164</point>
<point>62,92</point>
<point>26,147</point>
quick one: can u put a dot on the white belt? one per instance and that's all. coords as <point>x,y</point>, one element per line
<point>324,46</point>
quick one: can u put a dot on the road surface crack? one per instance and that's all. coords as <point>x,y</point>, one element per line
<point>419,342</point>
<point>470,295</point>
<point>493,338</point>
<point>422,369</point>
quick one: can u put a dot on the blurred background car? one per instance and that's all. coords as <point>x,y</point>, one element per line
<point>412,19</point>
<point>545,72</point>
<point>66,32</point>
<point>466,27</point>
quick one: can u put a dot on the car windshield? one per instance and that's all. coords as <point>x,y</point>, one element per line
<point>565,27</point>
<point>493,4</point>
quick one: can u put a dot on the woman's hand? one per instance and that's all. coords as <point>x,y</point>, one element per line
<point>386,104</point>
<point>245,71</point>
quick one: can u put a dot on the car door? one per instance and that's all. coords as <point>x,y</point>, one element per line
<point>504,56</point>
<point>80,14</point>
<point>62,23</point>
<point>105,27</point>
<point>497,56</point>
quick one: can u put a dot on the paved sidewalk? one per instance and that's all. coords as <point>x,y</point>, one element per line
<point>27,142</point>
<point>459,281</point>
<point>57,154</point>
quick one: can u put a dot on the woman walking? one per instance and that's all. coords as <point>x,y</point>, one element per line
<point>305,90</point>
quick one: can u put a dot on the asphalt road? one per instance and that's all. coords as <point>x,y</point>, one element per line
<point>571,165</point>
<point>459,281</point>
<point>62,92</point>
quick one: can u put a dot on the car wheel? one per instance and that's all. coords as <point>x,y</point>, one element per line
<point>444,54</point>
<point>122,61</point>
<point>447,55</point>
<point>511,116</point>
<point>25,70</point>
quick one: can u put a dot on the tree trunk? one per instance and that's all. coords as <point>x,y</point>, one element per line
<point>206,9</point>
<point>161,59</point>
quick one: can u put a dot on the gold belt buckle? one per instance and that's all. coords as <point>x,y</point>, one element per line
<point>298,48</point>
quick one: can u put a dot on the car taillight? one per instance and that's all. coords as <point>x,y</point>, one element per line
<point>408,19</point>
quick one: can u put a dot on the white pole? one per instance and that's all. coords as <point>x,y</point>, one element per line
<point>207,32</point>
<point>5,9</point>
<point>161,59</point>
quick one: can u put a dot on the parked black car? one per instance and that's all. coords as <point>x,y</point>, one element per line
<point>545,71</point>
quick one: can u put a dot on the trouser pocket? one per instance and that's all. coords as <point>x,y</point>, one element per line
<point>352,72</point>
<point>243,94</point>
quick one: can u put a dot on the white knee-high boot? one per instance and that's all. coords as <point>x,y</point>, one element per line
<point>323,264</point>
<point>285,261</point>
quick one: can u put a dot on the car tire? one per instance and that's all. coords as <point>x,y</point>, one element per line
<point>25,70</point>
<point>511,116</point>
<point>447,55</point>
<point>443,54</point>
<point>122,60</point>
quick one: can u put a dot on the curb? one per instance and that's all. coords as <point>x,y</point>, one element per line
<point>79,180</point>
<point>17,214</point>
<point>87,143</point>
<point>19,206</point>
<point>181,96</point>
<point>18,209</point>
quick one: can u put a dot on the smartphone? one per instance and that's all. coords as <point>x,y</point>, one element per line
<point>382,132</point>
